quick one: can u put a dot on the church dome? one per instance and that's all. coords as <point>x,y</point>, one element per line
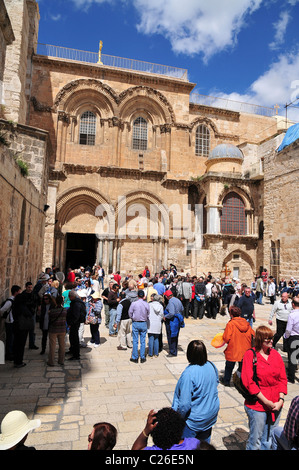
<point>226,151</point>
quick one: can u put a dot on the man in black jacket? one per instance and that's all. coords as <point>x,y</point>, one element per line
<point>199,301</point>
<point>75,315</point>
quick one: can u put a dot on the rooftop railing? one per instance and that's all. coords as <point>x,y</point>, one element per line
<point>111,61</point>
<point>231,105</point>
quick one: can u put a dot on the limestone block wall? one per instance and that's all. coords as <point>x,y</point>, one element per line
<point>21,226</point>
<point>24,17</point>
<point>280,207</point>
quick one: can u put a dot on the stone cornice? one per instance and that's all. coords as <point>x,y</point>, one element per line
<point>109,73</point>
<point>242,239</point>
<point>218,111</point>
<point>62,172</point>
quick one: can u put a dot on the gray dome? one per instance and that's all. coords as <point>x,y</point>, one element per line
<point>226,151</point>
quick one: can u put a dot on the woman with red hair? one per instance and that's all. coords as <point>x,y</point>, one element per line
<point>269,389</point>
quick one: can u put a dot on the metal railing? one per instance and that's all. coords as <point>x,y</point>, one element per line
<point>231,105</point>
<point>111,61</point>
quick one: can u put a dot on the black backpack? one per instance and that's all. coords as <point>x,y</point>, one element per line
<point>5,314</point>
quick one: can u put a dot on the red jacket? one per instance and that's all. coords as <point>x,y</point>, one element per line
<point>237,335</point>
<point>271,377</point>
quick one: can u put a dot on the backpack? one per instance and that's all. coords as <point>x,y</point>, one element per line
<point>239,384</point>
<point>147,273</point>
<point>5,314</point>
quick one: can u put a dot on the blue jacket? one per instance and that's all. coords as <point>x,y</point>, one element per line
<point>196,396</point>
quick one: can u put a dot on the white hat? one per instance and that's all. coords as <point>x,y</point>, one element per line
<point>96,295</point>
<point>82,293</point>
<point>44,277</point>
<point>15,425</point>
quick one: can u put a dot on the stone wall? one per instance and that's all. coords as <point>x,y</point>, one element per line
<point>281,208</point>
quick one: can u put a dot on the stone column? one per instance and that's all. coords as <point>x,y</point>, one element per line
<point>213,220</point>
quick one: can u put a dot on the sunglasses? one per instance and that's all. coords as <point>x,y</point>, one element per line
<point>268,340</point>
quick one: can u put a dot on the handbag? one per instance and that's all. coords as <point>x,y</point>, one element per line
<point>239,384</point>
<point>91,318</point>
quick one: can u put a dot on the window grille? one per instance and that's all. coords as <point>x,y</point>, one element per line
<point>202,141</point>
<point>87,128</point>
<point>140,134</point>
<point>233,217</point>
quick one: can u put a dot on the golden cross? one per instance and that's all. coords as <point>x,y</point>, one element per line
<point>277,108</point>
<point>100,53</point>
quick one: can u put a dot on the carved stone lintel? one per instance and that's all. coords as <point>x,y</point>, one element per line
<point>165,128</point>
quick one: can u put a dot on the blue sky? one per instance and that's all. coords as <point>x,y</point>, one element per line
<point>244,50</point>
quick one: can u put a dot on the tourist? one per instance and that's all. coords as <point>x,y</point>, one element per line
<point>94,319</point>
<point>48,302</point>
<point>238,335</point>
<point>154,326</point>
<point>287,437</point>
<point>105,294</point>
<point>259,290</point>
<point>246,304</point>
<point>75,316</point>
<point>281,309</point>
<point>150,291</point>
<point>113,299</point>
<point>24,308</point>
<point>6,322</point>
<point>139,313</point>
<point>57,332</point>
<point>292,336</point>
<point>123,323</point>
<point>101,276</point>
<point>146,272</point>
<point>272,290</point>
<point>174,321</point>
<point>15,428</point>
<point>185,295</point>
<point>196,395</point>
<point>199,302</point>
<point>159,286</point>
<point>263,414</point>
<point>71,275</point>
<point>166,428</point>
<point>102,437</point>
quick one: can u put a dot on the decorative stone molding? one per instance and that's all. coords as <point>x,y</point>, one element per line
<point>40,107</point>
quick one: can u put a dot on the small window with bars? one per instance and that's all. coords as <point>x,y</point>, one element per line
<point>233,217</point>
<point>87,128</point>
<point>202,141</point>
<point>140,134</point>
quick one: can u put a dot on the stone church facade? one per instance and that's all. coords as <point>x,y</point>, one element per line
<point>141,175</point>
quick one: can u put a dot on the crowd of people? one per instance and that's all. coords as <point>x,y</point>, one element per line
<point>135,309</point>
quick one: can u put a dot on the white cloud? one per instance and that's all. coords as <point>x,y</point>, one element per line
<point>280,29</point>
<point>278,85</point>
<point>196,26</point>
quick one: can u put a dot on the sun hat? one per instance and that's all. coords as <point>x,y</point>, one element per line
<point>44,277</point>
<point>96,295</point>
<point>217,341</point>
<point>82,293</point>
<point>15,425</point>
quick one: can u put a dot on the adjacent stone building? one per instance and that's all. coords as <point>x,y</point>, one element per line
<point>140,173</point>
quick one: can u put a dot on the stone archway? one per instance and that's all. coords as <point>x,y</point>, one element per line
<point>241,266</point>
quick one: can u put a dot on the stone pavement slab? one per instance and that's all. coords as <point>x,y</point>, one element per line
<point>105,386</point>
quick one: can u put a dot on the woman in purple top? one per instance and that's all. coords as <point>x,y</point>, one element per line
<point>166,429</point>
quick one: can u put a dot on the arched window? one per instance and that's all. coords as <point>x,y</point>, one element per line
<point>233,217</point>
<point>140,134</point>
<point>87,128</point>
<point>202,141</point>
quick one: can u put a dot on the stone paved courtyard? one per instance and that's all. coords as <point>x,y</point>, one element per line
<point>106,386</point>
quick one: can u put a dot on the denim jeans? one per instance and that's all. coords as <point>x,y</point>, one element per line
<point>112,315</point>
<point>258,430</point>
<point>139,328</point>
<point>201,435</point>
<point>259,299</point>
<point>153,344</point>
